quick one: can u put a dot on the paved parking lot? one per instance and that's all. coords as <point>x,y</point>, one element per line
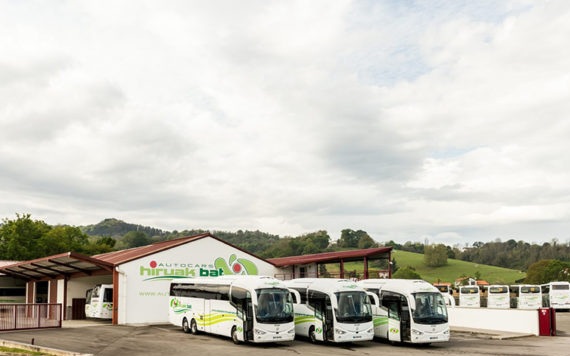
<point>103,339</point>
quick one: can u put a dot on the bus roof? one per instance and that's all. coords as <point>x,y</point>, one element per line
<point>331,284</point>
<point>407,286</point>
<point>239,280</point>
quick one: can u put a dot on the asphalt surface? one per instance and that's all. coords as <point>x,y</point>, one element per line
<point>96,338</point>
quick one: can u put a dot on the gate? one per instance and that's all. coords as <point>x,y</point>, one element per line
<point>30,316</point>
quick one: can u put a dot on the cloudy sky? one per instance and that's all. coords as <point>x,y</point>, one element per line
<point>411,120</point>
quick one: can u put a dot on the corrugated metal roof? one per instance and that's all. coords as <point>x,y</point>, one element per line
<point>6,263</point>
<point>53,266</point>
<point>351,255</point>
<point>122,256</point>
<point>72,262</point>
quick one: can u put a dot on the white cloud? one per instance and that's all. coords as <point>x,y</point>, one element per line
<point>403,120</point>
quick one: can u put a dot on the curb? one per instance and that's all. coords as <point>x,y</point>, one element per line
<point>35,348</point>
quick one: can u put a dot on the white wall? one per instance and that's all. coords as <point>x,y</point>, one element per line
<point>144,283</point>
<point>76,287</point>
<point>510,320</point>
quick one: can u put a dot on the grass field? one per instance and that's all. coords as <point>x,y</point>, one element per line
<point>449,273</point>
<point>455,269</point>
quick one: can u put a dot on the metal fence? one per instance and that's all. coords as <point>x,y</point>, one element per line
<point>30,316</point>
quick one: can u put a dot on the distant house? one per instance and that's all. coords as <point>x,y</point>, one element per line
<point>470,281</point>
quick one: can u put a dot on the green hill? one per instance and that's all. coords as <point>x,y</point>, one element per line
<point>449,273</point>
<point>455,269</point>
<point>117,228</point>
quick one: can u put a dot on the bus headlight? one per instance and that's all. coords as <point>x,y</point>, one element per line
<point>417,332</point>
<point>339,331</point>
<point>292,331</point>
<point>446,332</point>
<point>259,332</point>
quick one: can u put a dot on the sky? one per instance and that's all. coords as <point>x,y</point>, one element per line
<point>438,121</point>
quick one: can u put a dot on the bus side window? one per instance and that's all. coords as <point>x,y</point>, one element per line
<point>393,311</point>
<point>294,297</point>
<point>108,295</point>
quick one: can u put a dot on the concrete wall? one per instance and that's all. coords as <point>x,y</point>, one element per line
<point>510,320</point>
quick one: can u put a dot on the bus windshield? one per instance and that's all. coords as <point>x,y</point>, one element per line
<point>430,308</point>
<point>528,290</point>
<point>274,306</point>
<point>498,290</point>
<point>469,290</point>
<point>353,307</point>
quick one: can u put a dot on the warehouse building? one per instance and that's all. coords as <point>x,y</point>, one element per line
<point>141,276</point>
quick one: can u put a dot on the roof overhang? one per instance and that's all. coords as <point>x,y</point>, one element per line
<point>334,257</point>
<point>58,266</point>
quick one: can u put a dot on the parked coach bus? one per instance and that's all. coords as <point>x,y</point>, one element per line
<point>245,308</point>
<point>469,296</point>
<point>12,295</point>
<point>99,302</point>
<point>527,296</point>
<point>447,293</point>
<point>405,310</point>
<point>334,310</point>
<point>498,296</point>
<point>557,294</point>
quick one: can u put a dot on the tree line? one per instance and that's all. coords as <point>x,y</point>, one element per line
<point>24,238</point>
<point>519,255</point>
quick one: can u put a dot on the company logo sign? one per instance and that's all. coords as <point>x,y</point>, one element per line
<point>160,270</point>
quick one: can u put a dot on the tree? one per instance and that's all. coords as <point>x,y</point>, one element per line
<point>320,239</point>
<point>545,271</point>
<point>348,239</point>
<point>407,272</point>
<point>366,241</point>
<point>19,238</point>
<point>355,239</point>
<point>99,245</point>
<point>435,255</point>
<point>62,238</point>
<point>135,239</point>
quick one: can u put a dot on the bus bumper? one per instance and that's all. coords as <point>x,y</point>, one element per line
<point>426,337</point>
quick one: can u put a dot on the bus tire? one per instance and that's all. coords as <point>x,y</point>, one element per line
<point>193,327</point>
<point>312,335</point>
<point>234,335</point>
<point>185,326</point>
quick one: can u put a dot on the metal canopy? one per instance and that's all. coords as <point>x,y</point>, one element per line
<point>62,265</point>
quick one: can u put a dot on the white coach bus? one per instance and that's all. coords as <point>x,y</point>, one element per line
<point>527,296</point>
<point>333,310</point>
<point>498,296</point>
<point>470,296</point>
<point>557,294</point>
<point>245,308</point>
<point>99,302</point>
<point>405,310</point>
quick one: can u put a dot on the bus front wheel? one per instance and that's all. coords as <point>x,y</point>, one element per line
<point>312,335</point>
<point>235,338</point>
<point>193,327</point>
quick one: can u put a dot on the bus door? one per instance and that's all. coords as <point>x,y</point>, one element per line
<point>248,322</point>
<point>392,303</point>
<point>329,319</point>
<point>240,298</point>
<point>319,302</point>
<point>405,320</point>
